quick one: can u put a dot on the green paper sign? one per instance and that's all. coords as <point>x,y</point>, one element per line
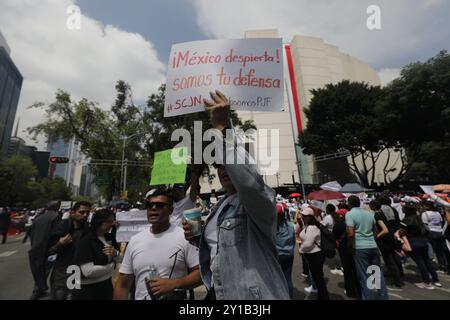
<point>169,167</point>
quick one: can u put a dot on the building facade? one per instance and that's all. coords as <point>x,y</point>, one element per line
<point>10,86</point>
<point>68,171</point>
<point>310,63</point>
<point>87,183</point>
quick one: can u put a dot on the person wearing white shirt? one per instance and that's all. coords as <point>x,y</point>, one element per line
<point>310,238</point>
<point>161,250</point>
<point>434,222</point>
<point>328,222</point>
<point>183,201</point>
<point>447,237</point>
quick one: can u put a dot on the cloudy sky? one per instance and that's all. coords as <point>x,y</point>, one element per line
<point>131,40</point>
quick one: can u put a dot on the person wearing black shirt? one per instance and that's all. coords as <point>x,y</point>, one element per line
<point>65,237</point>
<point>387,245</point>
<point>95,256</point>
<point>412,227</point>
<point>5,221</point>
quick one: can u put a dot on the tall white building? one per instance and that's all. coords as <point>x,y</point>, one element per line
<point>310,64</point>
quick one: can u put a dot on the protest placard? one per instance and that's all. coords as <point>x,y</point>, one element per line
<point>130,223</point>
<point>248,71</point>
<point>169,167</point>
<point>66,205</point>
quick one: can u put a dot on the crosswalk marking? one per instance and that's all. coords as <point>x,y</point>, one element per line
<point>398,296</point>
<point>7,254</point>
<point>443,289</point>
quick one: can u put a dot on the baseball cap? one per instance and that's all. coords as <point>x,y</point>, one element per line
<point>308,212</point>
<point>304,206</point>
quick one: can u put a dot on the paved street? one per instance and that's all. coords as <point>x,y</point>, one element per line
<point>16,281</point>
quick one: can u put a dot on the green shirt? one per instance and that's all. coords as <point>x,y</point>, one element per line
<point>362,221</point>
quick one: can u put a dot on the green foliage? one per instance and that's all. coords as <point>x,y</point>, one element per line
<point>411,116</point>
<point>18,185</point>
<point>16,173</point>
<point>416,114</point>
<point>56,189</point>
<point>104,134</point>
<point>84,198</point>
<point>342,117</point>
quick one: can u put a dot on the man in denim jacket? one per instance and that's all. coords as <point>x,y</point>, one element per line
<point>238,259</point>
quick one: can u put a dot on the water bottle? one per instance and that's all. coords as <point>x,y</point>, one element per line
<point>152,274</point>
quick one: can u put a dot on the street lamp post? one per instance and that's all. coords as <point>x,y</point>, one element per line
<point>123,170</point>
<point>121,165</point>
<point>300,178</point>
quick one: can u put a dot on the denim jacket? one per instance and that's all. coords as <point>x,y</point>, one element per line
<point>248,268</point>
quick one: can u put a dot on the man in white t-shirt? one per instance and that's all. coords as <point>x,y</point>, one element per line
<point>163,247</point>
<point>183,201</point>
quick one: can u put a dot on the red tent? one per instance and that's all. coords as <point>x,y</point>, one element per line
<point>322,195</point>
<point>295,195</point>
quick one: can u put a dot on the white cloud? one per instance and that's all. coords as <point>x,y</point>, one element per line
<point>409,31</point>
<point>431,3</point>
<point>387,75</point>
<point>85,62</point>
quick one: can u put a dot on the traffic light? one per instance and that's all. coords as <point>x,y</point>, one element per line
<point>59,159</point>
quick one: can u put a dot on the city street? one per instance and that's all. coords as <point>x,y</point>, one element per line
<point>16,281</point>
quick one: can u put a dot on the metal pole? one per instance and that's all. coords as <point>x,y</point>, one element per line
<point>125,177</point>
<point>52,171</point>
<point>121,167</point>
<point>300,174</point>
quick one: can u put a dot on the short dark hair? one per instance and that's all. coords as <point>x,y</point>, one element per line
<point>354,201</point>
<point>330,208</point>
<point>162,192</point>
<point>78,204</point>
<point>343,205</point>
<point>53,205</point>
<point>375,204</point>
<point>99,217</point>
<point>179,186</point>
<point>384,200</point>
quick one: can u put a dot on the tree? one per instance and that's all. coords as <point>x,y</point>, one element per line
<point>88,124</point>
<point>104,134</point>
<point>161,128</point>
<point>56,189</point>
<point>416,114</point>
<point>16,174</point>
<point>342,118</point>
<point>84,198</point>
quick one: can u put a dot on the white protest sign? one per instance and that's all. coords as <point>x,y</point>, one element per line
<point>66,205</point>
<point>130,224</point>
<point>428,189</point>
<point>247,71</point>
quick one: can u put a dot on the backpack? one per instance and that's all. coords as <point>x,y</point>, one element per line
<point>327,242</point>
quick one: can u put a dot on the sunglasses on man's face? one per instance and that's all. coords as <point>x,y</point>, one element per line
<point>158,205</point>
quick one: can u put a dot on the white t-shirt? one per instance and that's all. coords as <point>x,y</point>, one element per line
<point>433,219</point>
<point>146,248</point>
<point>178,208</point>
<point>327,222</point>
